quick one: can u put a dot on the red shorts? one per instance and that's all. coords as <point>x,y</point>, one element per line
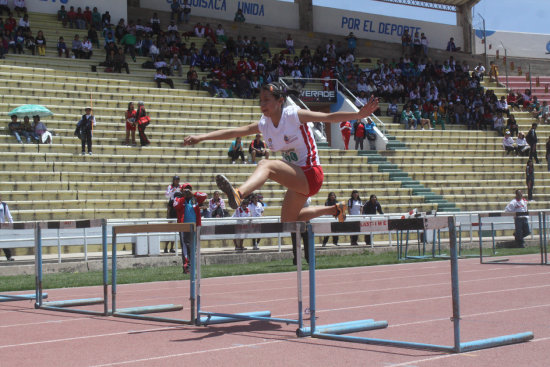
<point>315,178</point>
<point>130,126</point>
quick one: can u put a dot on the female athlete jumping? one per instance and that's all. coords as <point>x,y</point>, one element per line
<point>286,129</point>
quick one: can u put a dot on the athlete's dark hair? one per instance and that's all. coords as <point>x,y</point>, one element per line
<point>279,90</point>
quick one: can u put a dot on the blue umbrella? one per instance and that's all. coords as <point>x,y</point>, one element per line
<point>31,110</point>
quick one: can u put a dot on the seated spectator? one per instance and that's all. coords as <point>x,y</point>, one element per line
<point>264,47</point>
<point>508,143</point>
<point>17,42</point>
<point>172,27</point>
<point>41,131</point>
<point>523,149</point>
<point>87,16</point>
<point>479,72</point>
<point>120,63</point>
<point>120,30</point>
<point>76,47</point>
<point>19,7</point>
<point>4,7</point>
<point>421,120</point>
<point>544,112</point>
<point>24,23</point>
<point>109,62</point>
<point>15,129</point>
<point>502,106</point>
<point>193,78</point>
<point>109,39</point>
<point>209,33</point>
<point>407,118</point>
<point>160,77</point>
<point>175,65</point>
<point>216,206</point>
<point>512,100</point>
<point>10,24</point>
<point>87,48</point>
<point>512,125</point>
<point>40,43</point>
<point>393,111</point>
<point>71,17</point>
<point>61,15</point>
<point>106,19</point>
<point>243,87</point>
<point>257,149</point>
<point>239,16</point>
<point>220,35</point>
<point>27,130</point>
<point>451,46</point>
<point>155,23</point>
<point>30,42</point>
<point>236,150</point>
<point>154,52</point>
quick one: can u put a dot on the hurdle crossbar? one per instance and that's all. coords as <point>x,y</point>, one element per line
<point>245,230</point>
<point>19,297</point>
<point>66,305</point>
<point>333,331</point>
<point>140,313</point>
<point>542,217</point>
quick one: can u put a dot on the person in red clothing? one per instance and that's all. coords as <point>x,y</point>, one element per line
<point>345,129</point>
<point>9,24</point>
<point>187,206</point>
<point>88,16</point>
<point>130,117</point>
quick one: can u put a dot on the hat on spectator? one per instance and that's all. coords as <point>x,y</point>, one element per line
<point>176,178</point>
<point>507,132</point>
<point>88,108</point>
<point>186,186</point>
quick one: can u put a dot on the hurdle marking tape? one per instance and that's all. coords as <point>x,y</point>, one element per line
<point>252,228</point>
<point>154,228</point>
<point>18,225</point>
<point>381,225</point>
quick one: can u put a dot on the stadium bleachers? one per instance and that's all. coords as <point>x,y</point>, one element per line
<point>462,169</point>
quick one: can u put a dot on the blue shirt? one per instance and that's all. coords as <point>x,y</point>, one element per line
<point>190,216</point>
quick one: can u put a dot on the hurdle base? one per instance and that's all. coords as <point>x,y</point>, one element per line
<point>19,297</point>
<point>153,318</point>
<point>222,318</point>
<point>344,327</point>
<point>72,310</point>
<point>74,302</point>
<point>148,309</point>
<point>463,348</point>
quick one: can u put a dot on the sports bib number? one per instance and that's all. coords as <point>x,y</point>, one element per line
<point>290,156</point>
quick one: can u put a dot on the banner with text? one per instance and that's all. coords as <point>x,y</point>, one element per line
<point>382,28</point>
<point>265,12</point>
<point>117,8</point>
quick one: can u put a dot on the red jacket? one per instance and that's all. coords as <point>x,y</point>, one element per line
<point>179,205</point>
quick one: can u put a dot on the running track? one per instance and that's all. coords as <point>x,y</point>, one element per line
<point>414,298</point>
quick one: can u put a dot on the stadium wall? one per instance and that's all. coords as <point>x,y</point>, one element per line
<point>117,8</point>
<point>517,44</point>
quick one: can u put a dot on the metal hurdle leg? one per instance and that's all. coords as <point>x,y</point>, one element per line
<point>65,305</point>
<point>207,318</point>
<point>140,313</point>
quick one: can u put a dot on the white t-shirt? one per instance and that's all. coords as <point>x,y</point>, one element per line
<point>256,210</point>
<point>355,207</point>
<point>240,213</point>
<point>292,138</point>
<point>517,206</point>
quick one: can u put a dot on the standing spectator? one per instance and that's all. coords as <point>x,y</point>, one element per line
<point>257,149</point>
<point>532,141</point>
<point>87,16</point>
<point>142,120</point>
<point>236,150</point>
<point>41,131</point>
<point>354,208</point>
<point>40,43</point>
<point>171,212</point>
<point>371,207</point>
<point>256,209</point>
<point>521,222</point>
<point>160,77</point>
<point>424,43</point>
<point>530,179</point>
<point>186,11</point>
<point>15,129</point>
<point>359,133</point>
<point>548,153</point>
<point>289,43</point>
<point>239,16</point>
<point>86,128</point>
<point>130,119</point>
<point>92,36</point>
<point>417,44</point>
<point>345,129</point>
<point>331,201</point>
<point>5,8</point>
<point>220,35</point>
<point>187,206</point>
<point>80,20</point>
<point>241,212</point>
<point>216,206</point>
<point>493,72</point>
<point>129,41</point>
<point>175,11</point>
<point>451,45</point>
<point>5,213</point>
<point>370,133</point>
<point>352,43</point>
<point>19,7</point>
<point>71,17</point>
<point>96,18</point>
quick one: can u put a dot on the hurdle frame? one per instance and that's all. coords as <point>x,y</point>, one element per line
<point>543,242</point>
<point>20,297</point>
<point>332,332</point>
<point>66,305</point>
<point>247,230</point>
<point>140,313</point>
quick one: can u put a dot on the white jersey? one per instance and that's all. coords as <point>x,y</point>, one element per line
<point>256,210</point>
<point>292,138</point>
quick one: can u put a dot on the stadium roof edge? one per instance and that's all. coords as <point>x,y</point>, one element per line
<point>443,5</point>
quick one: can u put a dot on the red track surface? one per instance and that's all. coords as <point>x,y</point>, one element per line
<point>496,300</point>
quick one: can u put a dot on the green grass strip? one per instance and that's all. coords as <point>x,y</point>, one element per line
<point>165,273</point>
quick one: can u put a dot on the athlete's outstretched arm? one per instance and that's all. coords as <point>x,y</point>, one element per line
<point>365,111</point>
<point>223,134</point>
